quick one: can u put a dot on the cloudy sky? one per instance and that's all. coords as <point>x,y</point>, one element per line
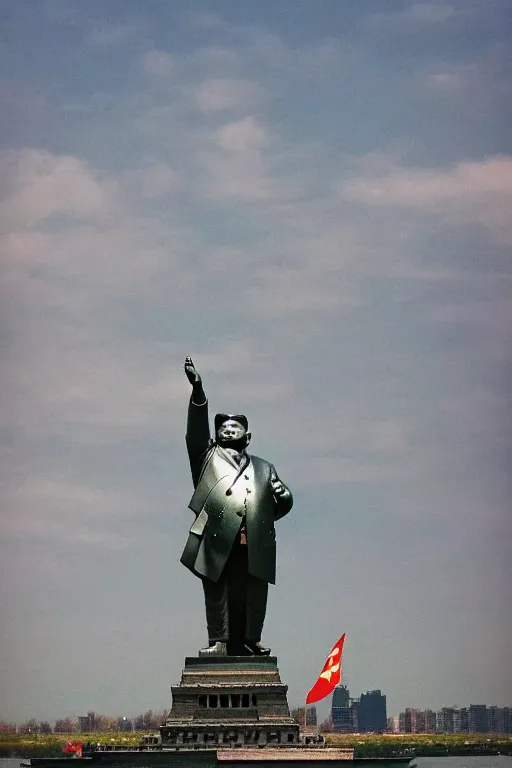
<point>314,200</point>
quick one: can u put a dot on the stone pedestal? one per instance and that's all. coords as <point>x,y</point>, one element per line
<point>230,701</point>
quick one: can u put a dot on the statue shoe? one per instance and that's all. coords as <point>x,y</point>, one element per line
<point>216,649</point>
<point>256,649</point>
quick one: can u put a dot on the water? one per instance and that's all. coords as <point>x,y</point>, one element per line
<point>10,762</point>
<point>498,761</point>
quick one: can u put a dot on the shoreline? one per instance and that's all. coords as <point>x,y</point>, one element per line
<point>387,746</point>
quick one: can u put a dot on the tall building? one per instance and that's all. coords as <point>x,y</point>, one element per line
<point>464,720</point>
<point>446,720</point>
<point>496,720</point>
<point>341,711</point>
<point>420,721</point>
<point>430,721</point>
<point>354,708</point>
<point>372,715</point>
<point>410,720</point>
<point>507,719</point>
<point>393,724</point>
<point>477,717</point>
<point>340,697</point>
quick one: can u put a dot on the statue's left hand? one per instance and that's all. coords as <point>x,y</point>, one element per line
<point>278,487</point>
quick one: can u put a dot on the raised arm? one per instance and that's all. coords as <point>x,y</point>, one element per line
<point>198,428</point>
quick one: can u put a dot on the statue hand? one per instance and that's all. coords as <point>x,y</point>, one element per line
<point>190,371</point>
<point>277,487</point>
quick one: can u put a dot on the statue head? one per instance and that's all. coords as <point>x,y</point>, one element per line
<point>231,431</point>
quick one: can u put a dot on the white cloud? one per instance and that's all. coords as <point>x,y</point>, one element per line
<point>244,178</point>
<point>479,87</point>
<point>104,242</point>
<point>39,185</point>
<point>445,81</point>
<point>417,187</point>
<point>243,136</point>
<point>217,94</point>
<point>470,191</point>
<point>238,161</point>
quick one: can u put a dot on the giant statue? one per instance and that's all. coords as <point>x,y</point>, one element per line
<point>231,545</point>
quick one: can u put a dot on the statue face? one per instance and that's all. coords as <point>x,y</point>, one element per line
<point>230,432</point>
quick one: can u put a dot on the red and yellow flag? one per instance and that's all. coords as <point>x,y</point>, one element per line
<point>330,675</point>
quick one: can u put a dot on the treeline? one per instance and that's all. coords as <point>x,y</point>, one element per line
<point>90,723</point>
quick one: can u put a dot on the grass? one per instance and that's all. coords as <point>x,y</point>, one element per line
<point>365,745</point>
<point>394,744</point>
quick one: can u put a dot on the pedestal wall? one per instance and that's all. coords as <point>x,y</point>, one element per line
<point>230,700</point>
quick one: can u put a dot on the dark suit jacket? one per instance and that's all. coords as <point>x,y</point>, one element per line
<point>225,494</point>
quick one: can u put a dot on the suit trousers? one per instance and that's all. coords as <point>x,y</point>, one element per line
<point>235,604</point>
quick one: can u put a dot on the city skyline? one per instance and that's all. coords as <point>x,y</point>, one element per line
<point>472,719</point>
<point>316,208</point>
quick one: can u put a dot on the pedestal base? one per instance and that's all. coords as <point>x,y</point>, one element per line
<point>230,701</point>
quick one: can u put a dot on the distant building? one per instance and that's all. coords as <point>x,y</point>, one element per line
<point>430,721</point>
<point>447,720</point>
<point>344,711</point>
<point>477,717</point>
<point>507,719</point>
<point>410,720</point>
<point>372,715</point>
<point>496,720</point>
<point>311,717</point>
<point>88,723</point>
<point>340,697</point>
<point>83,724</point>
<point>355,705</point>
<point>420,721</point>
<point>341,711</point>
<point>393,724</point>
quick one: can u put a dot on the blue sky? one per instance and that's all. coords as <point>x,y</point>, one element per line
<point>313,200</point>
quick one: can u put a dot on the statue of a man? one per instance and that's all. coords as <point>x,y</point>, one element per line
<point>231,545</point>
